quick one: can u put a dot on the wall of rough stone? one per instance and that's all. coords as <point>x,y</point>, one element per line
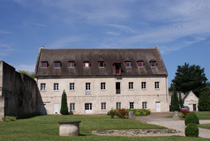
<point>20,93</point>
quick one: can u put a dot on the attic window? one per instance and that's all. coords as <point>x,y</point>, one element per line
<point>86,64</point>
<point>57,64</point>
<point>128,64</point>
<point>101,64</point>
<point>140,63</point>
<point>71,64</point>
<point>153,63</point>
<point>44,64</point>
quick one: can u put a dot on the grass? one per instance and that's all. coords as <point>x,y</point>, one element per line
<point>203,115</point>
<point>46,128</point>
<point>206,126</point>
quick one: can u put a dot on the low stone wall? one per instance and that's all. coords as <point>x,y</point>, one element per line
<point>19,95</point>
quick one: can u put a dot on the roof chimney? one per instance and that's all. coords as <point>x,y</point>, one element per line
<point>42,47</point>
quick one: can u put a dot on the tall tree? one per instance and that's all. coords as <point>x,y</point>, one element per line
<point>180,100</point>
<point>204,101</point>
<point>174,102</point>
<point>189,78</point>
<point>64,107</point>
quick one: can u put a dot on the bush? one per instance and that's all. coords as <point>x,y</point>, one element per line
<point>111,113</point>
<point>191,130</point>
<point>9,118</point>
<point>184,113</point>
<point>191,118</point>
<point>139,112</point>
<point>121,113</point>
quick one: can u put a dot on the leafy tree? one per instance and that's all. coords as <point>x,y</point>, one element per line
<point>30,74</point>
<point>189,78</point>
<point>180,100</point>
<point>204,101</point>
<point>174,102</point>
<point>64,107</point>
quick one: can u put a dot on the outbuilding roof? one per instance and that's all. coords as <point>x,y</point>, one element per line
<point>109,56</point>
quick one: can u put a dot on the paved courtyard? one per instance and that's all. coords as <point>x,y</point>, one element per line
<point>172,123</point>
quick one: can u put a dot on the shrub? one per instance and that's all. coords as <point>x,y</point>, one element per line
<point>139,112</point>
<point>191,118</point>
<point>9,118</point>
<point>122,113</point>
<point>111,113</point>
<point>191,130</point>
<point>64,107</point>
<point>184,113</point>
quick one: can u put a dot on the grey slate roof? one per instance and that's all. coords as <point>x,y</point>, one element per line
<point>110,56</point>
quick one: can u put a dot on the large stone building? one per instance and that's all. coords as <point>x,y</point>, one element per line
<point>97,80</point>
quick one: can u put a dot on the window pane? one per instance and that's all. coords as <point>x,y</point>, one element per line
<point>131,105</point>
<point>71,86</point>
<point>86,64</point>
<point>103,86</point>
<point>130,85</point>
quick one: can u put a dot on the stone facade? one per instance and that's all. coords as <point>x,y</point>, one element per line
<point>53,75</point>
<point>78,96</point>
<point>19,94</point>
<point>191,100</point>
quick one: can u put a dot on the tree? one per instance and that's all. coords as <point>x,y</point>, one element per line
<point>180,100</point>
<point>64,107</point>
<point>204,101</point>
<point>174,102</point>
<point>30,74</point>
<point>189,78</point>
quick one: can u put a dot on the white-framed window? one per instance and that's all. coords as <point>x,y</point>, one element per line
<point>86,64</point>
<point>128,64</point>
<point>144,105</point>
<point>56,86</point>
<point>131,105</point>
<point>103,85</point>
<point>130,85</point>
<point>72,106</point>
<point>157,85</point>
<point>42,86</point>
<point>103,106</point>
<point>71,64</point>
<point>71,86</point>
<point>118,105</point>
<point>143,85</point>
<point>87,88</point>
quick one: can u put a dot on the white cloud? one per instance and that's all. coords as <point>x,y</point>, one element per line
<point>5,49</point>
<point>4,32</point>
<point>65,42</point>
<point>113,33</point>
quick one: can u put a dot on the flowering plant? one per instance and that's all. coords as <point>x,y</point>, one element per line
<point>184,113</point>
<point>121,113</point>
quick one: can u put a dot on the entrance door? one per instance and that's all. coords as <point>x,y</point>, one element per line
<point>157,106</point>
<point>194,107</point>
<point>56,108</point>
<point>88,108</point>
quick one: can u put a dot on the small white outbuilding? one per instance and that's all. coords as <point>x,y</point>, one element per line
<point>191,100</point>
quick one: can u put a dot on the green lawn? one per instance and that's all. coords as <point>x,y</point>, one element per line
<point>46,128</point>
<point>203,115</point>
<point>206,126</point>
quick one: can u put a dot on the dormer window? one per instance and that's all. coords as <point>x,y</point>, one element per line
<point>128,64</point>
<point>153,63</point>
<point>44,64</point>
<point>71,64</point>
<point>140,63</point>
<point>57,64</point>
<point>86,64</point>
<point>101,64</point>
<point>117,67</point>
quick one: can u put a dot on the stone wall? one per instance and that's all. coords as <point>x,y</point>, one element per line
<point>19,95</point>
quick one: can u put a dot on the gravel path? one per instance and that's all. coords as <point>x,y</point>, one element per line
<point>173,123</point>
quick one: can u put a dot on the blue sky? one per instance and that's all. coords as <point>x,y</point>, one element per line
<point>181,29</point>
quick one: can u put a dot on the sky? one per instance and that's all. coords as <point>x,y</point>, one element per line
<point>181,29</point>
